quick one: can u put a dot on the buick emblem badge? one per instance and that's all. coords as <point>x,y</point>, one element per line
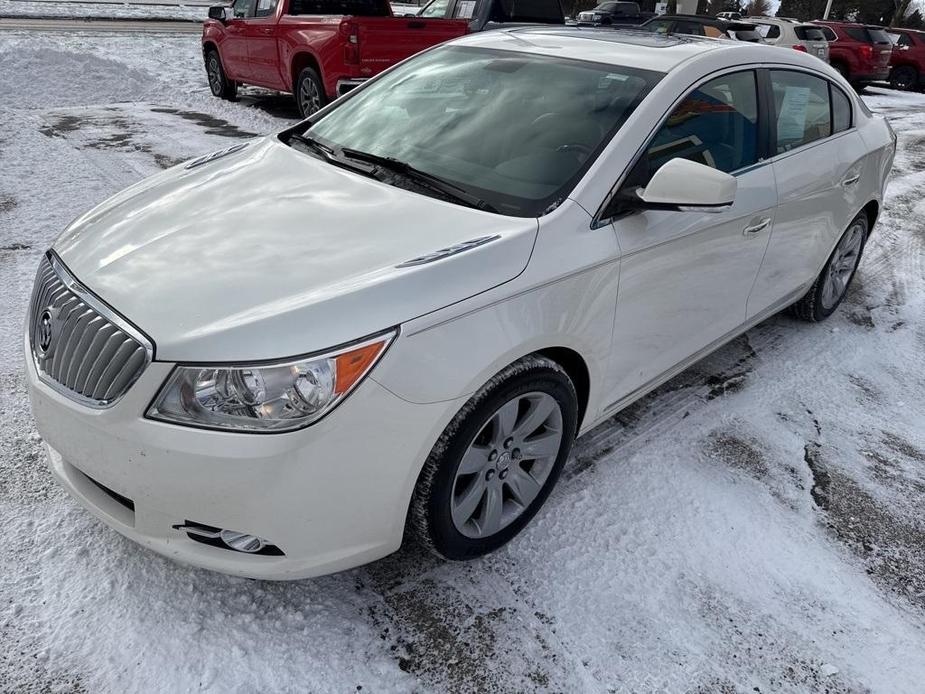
<point>44,334</point>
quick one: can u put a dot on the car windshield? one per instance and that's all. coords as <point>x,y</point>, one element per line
<point>514,130</point>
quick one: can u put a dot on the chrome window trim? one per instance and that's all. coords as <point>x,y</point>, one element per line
<point>72,284</point>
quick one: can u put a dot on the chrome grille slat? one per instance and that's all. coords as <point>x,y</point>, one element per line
<point>94,355</point>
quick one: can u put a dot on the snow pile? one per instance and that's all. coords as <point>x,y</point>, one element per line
<point>755,524</point>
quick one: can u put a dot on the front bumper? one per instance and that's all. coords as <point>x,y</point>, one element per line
<point>331,496</point>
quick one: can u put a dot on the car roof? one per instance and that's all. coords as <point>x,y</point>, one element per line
<point>626,47</point>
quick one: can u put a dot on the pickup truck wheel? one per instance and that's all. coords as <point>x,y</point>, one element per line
<point>309,92</point>
<point>905,78</point>
<point>832,283</point>
<point>496,462</point>
<point>220,85</point>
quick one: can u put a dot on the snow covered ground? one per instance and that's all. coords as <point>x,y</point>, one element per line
<point>755,525</point>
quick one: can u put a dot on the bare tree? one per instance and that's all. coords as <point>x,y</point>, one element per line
<point>757,8</point>
<point>902,7</point>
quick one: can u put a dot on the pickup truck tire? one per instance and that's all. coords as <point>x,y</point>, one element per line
<point>219,83</point>
<point>904,77</point>
<point>309,92</point>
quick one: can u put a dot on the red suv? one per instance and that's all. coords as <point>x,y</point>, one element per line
<point>907,67</point>
<point>860,53</point>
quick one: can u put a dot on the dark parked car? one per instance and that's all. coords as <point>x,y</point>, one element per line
<point>495,14</point>
<point>907,64</point>
<point>611,13</point>
<point>860,53</point>
<point>698,25</point>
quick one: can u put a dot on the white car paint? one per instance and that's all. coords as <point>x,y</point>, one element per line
<point>303,257</point>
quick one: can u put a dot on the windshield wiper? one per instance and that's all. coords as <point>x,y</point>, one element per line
<point>329,154</point>
<point>441,185</point>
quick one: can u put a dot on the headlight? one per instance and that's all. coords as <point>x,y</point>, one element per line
<point>266,397</point>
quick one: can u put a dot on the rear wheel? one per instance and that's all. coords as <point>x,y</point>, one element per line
<point>832,283</point>
<point>309,92</point>
<point>904,77</point>
<point>496,462</point>
<point>219,83</point>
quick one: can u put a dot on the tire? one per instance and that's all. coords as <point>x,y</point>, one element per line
<point>488,437</point>
<point>905,78</point>
<point>219,83</point>
<point>309,92</point>
<point>832,283</point>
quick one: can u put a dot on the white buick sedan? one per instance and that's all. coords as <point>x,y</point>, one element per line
<point>393,319</point>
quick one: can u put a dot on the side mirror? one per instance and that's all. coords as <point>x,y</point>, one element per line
<point>219,12</point>
<point>685,183</point>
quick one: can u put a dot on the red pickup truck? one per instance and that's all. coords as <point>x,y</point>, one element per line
<point>314,49</point>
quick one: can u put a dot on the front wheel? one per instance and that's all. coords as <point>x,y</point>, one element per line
<point>219,83</point>
<point>832,283</point>
<point>496,462</point>
<point>309,92</point>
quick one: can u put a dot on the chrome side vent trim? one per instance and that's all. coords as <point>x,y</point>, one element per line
<point>81,347</point>
<point>447,252</point>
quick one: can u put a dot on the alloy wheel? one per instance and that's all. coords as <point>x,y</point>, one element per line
<point>505,467</point>
<point>842,266</point>
<point>215,75</point>
<point>309,97</point>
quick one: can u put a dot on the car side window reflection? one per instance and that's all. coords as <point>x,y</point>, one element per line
<point>716,125</point>
<point>265,8</point>
<point>435,9</point>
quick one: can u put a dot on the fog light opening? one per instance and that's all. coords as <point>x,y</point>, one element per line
<point>228,539</point>
<point>242,542</point>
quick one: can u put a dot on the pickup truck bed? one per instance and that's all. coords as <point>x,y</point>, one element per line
<point>315,49</point>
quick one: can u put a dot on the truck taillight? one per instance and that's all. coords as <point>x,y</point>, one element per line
<point>867,52</point>
<point>352,48</point>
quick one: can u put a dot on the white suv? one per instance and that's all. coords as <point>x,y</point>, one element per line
<point>791,33</point>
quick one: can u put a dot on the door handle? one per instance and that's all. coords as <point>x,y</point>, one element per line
<point>267,30</point>
<point>851,181</point>
<point>760,225</point>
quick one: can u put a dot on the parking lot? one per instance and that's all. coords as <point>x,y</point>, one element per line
<point>753,525</point>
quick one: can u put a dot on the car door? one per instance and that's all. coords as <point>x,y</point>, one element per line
<point>817,159</point>
<point>234,46</point>
<point>262,49</point>
<point>686,275</point>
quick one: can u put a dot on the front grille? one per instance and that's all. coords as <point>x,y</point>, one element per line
<point>80,346</point>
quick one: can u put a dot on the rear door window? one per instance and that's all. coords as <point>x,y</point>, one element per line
<point>802,110</point>
<point>358,8</point>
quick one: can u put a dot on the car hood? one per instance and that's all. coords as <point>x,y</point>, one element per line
<point>268,252</point>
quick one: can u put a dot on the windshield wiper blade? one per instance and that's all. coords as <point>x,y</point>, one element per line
<point>316,146</point>
<point>330,155</point>
<point>441,185</point>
